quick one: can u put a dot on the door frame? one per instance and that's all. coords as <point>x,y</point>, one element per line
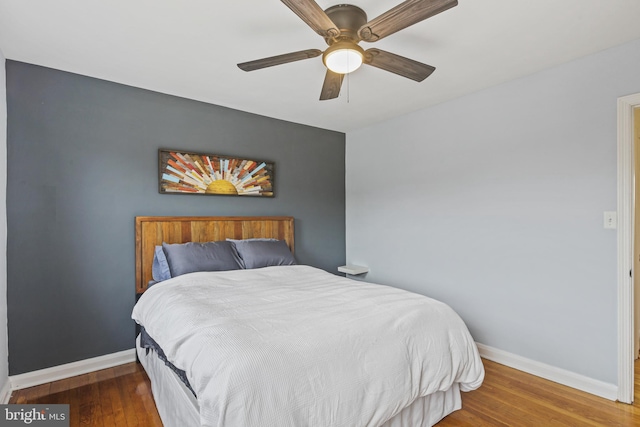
<point>625,207</point>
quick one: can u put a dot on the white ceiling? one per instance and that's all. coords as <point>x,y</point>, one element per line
<point>191,48</point>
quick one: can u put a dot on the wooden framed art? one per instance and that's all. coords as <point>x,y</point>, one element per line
<point>181,172</point>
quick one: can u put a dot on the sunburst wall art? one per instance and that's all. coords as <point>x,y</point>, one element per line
<point>196,173</point>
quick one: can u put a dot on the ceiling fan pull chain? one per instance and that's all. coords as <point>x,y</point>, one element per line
<point>348,80</point>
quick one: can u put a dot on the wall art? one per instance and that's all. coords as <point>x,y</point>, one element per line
<point>183,172</point>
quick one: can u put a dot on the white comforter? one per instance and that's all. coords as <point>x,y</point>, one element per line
<point>296,346</point>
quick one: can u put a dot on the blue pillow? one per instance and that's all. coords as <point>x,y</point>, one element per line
<point>160,267</point>
<point>210,256</point>
<point>257,253</point>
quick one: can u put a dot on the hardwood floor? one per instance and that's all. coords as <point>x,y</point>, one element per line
<point>509,397</point>
<point>121,396</point>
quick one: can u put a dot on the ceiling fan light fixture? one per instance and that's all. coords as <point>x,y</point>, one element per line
<point>343,57</point>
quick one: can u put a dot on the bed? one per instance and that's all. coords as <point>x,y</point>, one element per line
<point>290,345</point>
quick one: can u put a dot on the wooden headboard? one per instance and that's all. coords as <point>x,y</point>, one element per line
<point>151,231</point>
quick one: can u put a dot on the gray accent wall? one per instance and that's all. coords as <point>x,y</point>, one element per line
<point>83,162</point>
<point>493,203</point>
<point>4,361</point>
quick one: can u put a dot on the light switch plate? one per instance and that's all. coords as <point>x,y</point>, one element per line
<point>610,220</point>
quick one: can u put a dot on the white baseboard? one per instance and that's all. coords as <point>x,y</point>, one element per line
<point>551,373</point>
<point>560,376</point>
<point>5,392</point>
<point>68,370</point>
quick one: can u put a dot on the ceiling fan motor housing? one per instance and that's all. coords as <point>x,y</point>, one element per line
<point>348,19</point>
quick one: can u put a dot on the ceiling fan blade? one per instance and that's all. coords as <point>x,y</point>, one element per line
<point>311,13</point>
<point>331,86</point>
<point>397,64</point>
<point>279,59</point>
<point>402,16</point>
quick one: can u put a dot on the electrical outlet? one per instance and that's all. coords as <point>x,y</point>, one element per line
<point>610,220</point>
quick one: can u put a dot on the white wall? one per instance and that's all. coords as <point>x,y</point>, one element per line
<point>494,204</point>
<point>4,359</point>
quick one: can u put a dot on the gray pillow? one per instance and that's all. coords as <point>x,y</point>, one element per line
<point>210,256</point>
<point>257,253</point>
<point>160,268</point>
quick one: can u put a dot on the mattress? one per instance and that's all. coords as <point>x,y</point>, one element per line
<point>178,407</point>
<point>296,346</point>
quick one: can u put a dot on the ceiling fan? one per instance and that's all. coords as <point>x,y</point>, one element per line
<point>343,26</point>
